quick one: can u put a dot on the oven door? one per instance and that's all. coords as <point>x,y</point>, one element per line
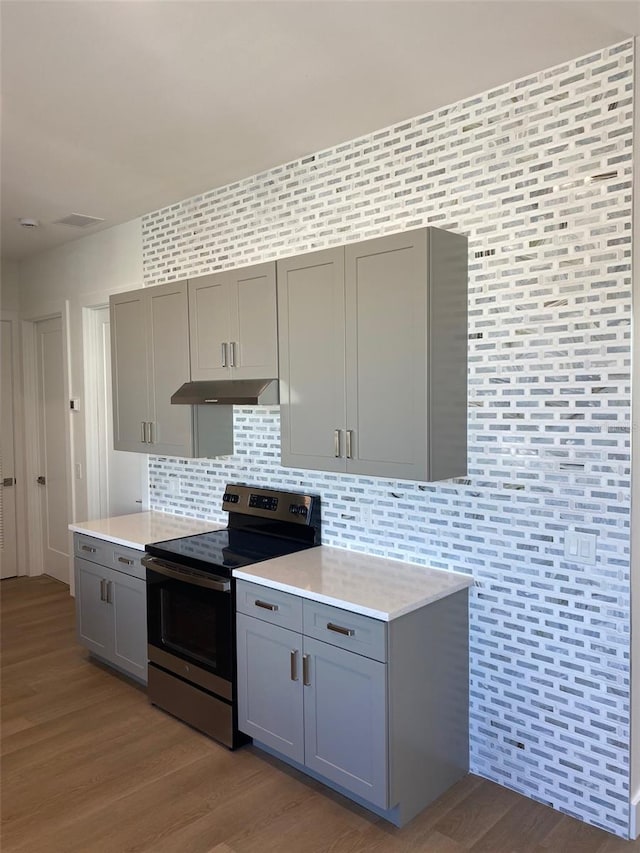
<point>190,625</point>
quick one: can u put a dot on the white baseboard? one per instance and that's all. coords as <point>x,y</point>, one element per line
<point>634,818</point>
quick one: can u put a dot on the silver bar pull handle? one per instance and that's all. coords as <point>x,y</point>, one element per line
<point>306,679</point>
<point>143,433</point>
<point>125,561</point>
<point>109,598</point>
<point>223,347</point>
<point>349,440</point>
<point>265,605</point>
<point>347,632</point>
<point>151,425</point>
<point>232,350</point>
<point>103,596</point>
<point>336,443</point>
<point>88,548</point>
<point>294,664</point>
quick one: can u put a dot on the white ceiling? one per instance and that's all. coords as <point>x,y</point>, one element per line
<point>114,109</point>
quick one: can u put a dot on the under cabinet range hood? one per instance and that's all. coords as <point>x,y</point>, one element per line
<point>228,392</point>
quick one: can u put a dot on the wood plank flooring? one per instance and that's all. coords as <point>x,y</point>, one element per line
<point>88,766</point>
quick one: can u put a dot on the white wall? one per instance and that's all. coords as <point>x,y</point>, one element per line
<point>9,299</point>
<point>69,280</point>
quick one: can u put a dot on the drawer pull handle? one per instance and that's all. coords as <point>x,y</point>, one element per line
<point>265,605</point>
<point>347,632</point>
<point>89,549</point>
<point>125,561</point>
<point>305,671</point>
<point>294,664</point>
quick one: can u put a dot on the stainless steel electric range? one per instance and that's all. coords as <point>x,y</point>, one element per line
<point>191,602</point>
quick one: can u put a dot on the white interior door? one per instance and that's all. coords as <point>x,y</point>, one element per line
<point>8,537</point>
<point>121,476</point>
<point>52,412</point>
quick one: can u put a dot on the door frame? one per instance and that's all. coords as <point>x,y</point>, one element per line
<point>31,437</point>
<point>90,360</point>
<point>88,308</point>
<point>22,563</point>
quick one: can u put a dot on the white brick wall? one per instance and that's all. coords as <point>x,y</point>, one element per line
<point>537,174</point>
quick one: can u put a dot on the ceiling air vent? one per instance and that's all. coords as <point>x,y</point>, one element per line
<point>78,220</point>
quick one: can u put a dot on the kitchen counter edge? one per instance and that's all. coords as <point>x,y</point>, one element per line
<point>143,528</point>
<point>438,583</point>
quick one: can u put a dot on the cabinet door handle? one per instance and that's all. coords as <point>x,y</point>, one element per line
<point>294,664</point>
<point>347,632</point>
<point>336,443</point>
<point>305,671</point>
<point>103,596</point>
<point>232,349</point>
<point>125,561</point>
<point>223,347</point>
<point>143,432</point>
<point>88,548</point>
<point>265,605</point>
<point>150,432</point>
<point>109,597</point>
<point>349,441</point>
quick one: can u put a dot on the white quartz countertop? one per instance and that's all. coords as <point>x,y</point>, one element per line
<point>141,528</point>
<point>374,586</point>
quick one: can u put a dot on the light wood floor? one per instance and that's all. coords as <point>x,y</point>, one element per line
<point>89,766</point>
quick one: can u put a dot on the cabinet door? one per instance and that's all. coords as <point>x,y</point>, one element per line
<point>253,343</point>
<point>129,370</point>
<point>93,613</point>
<point>386,303</point>
<point>168,358</point>
<point>311,344</point>
<point>209,327</point>
<point>345,713</point>
<point>270,685</point>
<point>127,598</point>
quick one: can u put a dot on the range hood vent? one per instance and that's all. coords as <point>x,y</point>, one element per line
<point>229,392</point>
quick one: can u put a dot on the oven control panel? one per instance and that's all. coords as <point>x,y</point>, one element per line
<point>263,502</point>
<point>272,503</point>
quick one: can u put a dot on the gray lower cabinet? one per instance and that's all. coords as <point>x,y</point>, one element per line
<point>345,716</point>
<point>111,610</point>
<point>316,704</point>
<point>377,710</point>
<point>270,686</point>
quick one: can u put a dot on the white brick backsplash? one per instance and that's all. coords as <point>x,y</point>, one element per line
<point>537,174</point>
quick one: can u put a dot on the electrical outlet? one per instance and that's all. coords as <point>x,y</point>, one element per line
<point>580,547</point>
<point>365,515</point>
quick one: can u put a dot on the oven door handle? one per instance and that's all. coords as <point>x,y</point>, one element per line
<point>187,575</point>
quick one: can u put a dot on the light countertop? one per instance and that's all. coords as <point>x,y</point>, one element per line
<point>141,528</point>
<point>374,586</point>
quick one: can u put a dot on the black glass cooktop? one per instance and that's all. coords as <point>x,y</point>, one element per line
<point>220,551</point>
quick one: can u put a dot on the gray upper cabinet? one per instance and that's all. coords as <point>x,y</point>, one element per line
<point>312,346</point>
<point>373,357</point>
<point>234,328</point>
<point>150,361</point>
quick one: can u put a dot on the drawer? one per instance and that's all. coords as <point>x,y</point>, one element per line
<point>128,561</point>
<point>352,631</point>
<point>92,549</point>
<point>270,605</point>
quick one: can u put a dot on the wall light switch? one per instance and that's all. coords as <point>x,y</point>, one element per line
<point>580,547</point>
